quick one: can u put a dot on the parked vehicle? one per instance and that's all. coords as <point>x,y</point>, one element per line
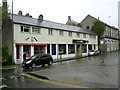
<point>94,52</point>
<point>37,59</point>
<point>91,53</point>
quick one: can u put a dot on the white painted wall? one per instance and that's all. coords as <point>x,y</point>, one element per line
<point>45,38</point>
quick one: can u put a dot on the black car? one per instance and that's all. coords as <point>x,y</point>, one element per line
<point>36,60</point>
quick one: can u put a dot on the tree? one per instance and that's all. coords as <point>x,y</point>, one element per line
<point>98,28</point>
<point>0,13</point>
<point>79,25</point>
<point>6,57</point>
<point>5,16</point>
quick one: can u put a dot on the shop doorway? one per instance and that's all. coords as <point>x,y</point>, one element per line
<point>78,50</point>
<point>17,51</point>
<point>26,48</point>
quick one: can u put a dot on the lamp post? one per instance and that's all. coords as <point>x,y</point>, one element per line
<point>13,37</point>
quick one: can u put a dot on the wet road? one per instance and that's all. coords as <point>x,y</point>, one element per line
<point>96,72</point>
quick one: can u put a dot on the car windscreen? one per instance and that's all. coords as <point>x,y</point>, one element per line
<point>33,57</point>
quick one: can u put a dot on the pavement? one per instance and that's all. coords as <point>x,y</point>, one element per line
<point>19,65</point>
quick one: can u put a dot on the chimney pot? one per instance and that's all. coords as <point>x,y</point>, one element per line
<point>27,15</point>
<point>69,18</point>
<point>20,13</point>
<point>40,17</point>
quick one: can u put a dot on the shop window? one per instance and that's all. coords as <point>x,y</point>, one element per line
<point>48,49</point>
<point>39,49</point>
<point>90,48</point>
<point>71,48</point>
<point>36,50</point>
<point>53,49</point>
<point>94,47</point>
<point>84,48</point>
<point>62,48</point>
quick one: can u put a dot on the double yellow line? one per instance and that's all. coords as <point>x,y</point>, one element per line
<point>52,82</point>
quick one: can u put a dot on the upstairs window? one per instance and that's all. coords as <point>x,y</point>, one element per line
<point>84,36</point>
<point>25,28</point>
<point>36,30</point>
<point>61,33</point>
<point>88,27</point>
<point>78,34</point>
<point>90,36</point>
<point>50,32</point>
<point>70,34</point>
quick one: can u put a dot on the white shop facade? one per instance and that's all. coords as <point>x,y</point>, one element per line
<point>59,40</point>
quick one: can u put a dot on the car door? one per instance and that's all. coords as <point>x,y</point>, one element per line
<point>44,59</point>
<point>37,60</point>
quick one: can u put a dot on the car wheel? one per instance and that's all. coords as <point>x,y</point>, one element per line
<point>50,63</point>
<point>33,65</point>
<point>43,65</point>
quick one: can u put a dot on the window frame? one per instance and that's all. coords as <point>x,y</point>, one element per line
<point>36,30</point>
<point>24,28</point>
<point>61,33</point>
<point>78,34</point>
<point>50,31</point>
<point>84,35</point>
<point>70,34</point>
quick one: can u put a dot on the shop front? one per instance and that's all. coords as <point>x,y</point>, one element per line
<point>30,50</point>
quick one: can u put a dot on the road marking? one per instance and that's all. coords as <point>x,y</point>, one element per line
<point>52,82</point>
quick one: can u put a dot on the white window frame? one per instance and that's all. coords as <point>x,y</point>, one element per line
<point>70,33</point>
<point>50,32</point>
<point>36,30</point>
<point>61,33</point>
<point>25,27</point>
<point>84,35</point>
<point>78,34</point>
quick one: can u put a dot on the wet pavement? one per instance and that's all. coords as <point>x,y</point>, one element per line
<point>95,72</point>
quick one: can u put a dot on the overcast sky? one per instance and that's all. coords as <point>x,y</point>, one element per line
<point>59,10</point>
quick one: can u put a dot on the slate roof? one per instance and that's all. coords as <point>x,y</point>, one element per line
<point>48,24</point>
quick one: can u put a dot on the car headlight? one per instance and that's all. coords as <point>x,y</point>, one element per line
<point>28,62</point>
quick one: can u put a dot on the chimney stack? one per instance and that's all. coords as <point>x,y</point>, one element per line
<point>27,15</point>
<point>20,13</point>
<point>69,18</point>
<point>98,18</point>
<point>40,17</point>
